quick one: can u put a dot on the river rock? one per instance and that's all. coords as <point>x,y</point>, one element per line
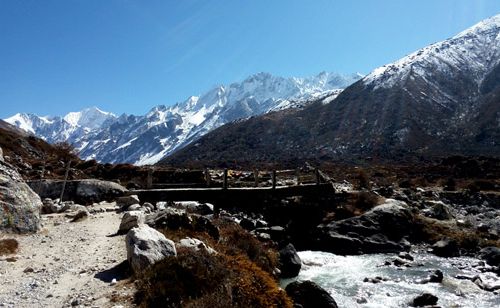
<point>170,218</point>
<point>131,220</point>
<point>248,223</point>
<point>174,219</point>
<point>85,192</point>
<point>134,207</point>
<point>20,206</point>
<point>195,244</point>
<point>49,206</point>
<point>290,262</point>
<point>446,248</point>
<point>440,210</point>
<point>425,299</point>
<point>146,246</point>
<point>126,201</point>
<point>195,207</point>
<point>308,294</point>
<point>148,207</point>
<point>1,156</point>
<point>491,255</point>
<point>379,230</point>
<point>80,215</point>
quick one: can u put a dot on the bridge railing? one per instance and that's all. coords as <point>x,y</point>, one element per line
<point>227,178</point>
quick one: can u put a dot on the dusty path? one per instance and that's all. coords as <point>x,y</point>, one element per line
<point>67,264</point>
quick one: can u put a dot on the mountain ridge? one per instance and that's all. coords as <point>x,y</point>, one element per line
<point>146,139</point>
<point>440,100</point>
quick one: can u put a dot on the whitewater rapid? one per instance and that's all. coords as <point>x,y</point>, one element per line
<point>343,277</point>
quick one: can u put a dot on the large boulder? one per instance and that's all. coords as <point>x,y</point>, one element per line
<point>290,262</point>
<point>19,205</point>
<point>80,191</point>
<point>131,220</point>
<point>146,246</point>
<point>446,248</point>
<point>382,229</point>
<point>125,202</point>
<point>425,299</point>
<point>308,294</point>
<point>440,210</point>
<point>491,255</point>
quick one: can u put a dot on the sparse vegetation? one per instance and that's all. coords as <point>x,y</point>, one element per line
<point>431,230</point>
<point>239,275</point>
<point>199,279</point>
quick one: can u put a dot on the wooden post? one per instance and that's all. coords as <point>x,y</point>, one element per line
<point>42,174</point>
<point>224,180</point>
<point>65,180</point>
<point>207,177</point>
<point>256,177</point>
<point>149,180</point>
<point>316,171</point>
<point>274,179</point>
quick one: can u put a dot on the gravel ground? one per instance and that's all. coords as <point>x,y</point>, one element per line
<point>68,264</point>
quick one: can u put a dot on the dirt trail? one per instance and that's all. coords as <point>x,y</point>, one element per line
<point>67,264</point>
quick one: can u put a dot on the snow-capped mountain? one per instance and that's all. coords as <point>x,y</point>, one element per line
<point>57,129</point>
<point>442,99</point>
<point>148,138</point>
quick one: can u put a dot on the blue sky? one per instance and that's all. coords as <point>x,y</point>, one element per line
<point>128,56</point>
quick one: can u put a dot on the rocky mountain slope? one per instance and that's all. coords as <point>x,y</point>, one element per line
<point>440,100</point>
<point>146,139</point>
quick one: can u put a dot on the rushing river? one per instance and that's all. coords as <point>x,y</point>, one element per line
<point>343,277</point>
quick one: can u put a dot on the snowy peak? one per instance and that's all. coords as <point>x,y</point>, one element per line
<point>474,51</point>
<point>487,25</point>
<point>24,121</point>
<point>91,118</point>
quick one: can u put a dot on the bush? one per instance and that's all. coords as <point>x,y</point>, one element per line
<point>363,180</point>
<point>65,151</point>
<point>8,246</point>
<point>366,201</point>
<point>198,279</point>
<point>236,241</point>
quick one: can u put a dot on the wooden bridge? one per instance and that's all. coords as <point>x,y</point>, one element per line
<point>239,195</point>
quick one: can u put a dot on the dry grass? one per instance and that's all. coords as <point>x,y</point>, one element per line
<point>234,240</point>
<point>432,230</point>
<point>8,246</point>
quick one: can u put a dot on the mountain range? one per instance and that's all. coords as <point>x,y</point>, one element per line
<point>443,99</point>
<point>146,139</point>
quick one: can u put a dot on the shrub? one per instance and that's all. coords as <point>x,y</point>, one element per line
<point>199,279</point>
<point>65,151</point>
<point>190,275</point>
<point>8,246</point>
<point>366,201</point>
<point>363,180</point>
<point>236,241</point>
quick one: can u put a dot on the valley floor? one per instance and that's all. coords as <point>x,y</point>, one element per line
<point>67,264</point>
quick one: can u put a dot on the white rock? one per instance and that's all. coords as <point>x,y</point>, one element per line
<point>195,244</point>
<point>146,246</point>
